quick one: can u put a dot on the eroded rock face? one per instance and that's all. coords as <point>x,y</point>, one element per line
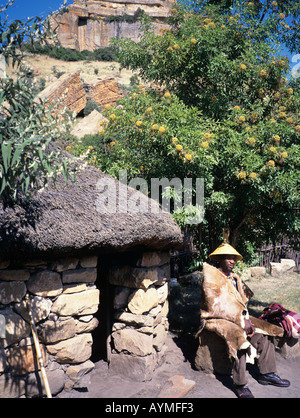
<point>90,24</point>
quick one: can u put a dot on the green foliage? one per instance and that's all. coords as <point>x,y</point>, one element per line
<point>90,106</point>
<point>27,157</point>
<point>64,54</point>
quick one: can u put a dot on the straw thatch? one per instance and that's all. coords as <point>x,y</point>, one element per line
<point>63,219</point>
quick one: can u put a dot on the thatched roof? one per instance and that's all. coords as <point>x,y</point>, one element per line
<point>64,219</point>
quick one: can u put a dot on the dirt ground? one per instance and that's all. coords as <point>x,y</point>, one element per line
<point>179,361</point>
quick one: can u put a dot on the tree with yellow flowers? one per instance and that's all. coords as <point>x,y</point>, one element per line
<point>223,109</point>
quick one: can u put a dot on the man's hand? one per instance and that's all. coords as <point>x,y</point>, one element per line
<point>249,328</point>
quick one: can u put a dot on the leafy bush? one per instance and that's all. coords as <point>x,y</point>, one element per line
<point>27,157</point>
<point>225,111</point>
<point>90,106</point>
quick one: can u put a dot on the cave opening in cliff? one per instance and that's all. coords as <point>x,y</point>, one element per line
<point>82,21</point>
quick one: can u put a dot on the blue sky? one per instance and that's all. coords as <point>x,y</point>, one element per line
<point>21,9</point>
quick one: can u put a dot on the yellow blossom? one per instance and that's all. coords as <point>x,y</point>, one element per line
<point>162,130</point>
<point>276,138</point>
<point>277,96</point>
<point>107,107</point>
<point>193,41</point>
<point>242,118</point>
<point>289,120</point>
<point>68,148</point>
<point>207,135</point>
<point>112,143</point>
<point>169,49</point>
<point>281,15</point>
<point>252,140</point>
<point>149,109</point>
<point>167,95</point>
<point>101,131</point>
<point>237,108</point>
<point>90,148</point>
<point>139,123</point>
<point>174,139</point>
<point>272,149</point>
<point>140,86</point>
<point>207,21</point>
<point>272,120</point>
<point>112,116</point>
<point>274,4</point>
<point>271,163</point>
<point>253,175</point>
<point>102,122</point>
<point>282,114</point>
<point>176,46</point>
<point>284,154</point>
<point>242,175</point>
<point>178,147</point>
<point>263,73</point>
<point>297,128</point>
<point>290,91</point>
<point>212,24</point>
<point>155,127</point>
<point>204,144</point>
<point>243,67</point>
<point>188,157</point>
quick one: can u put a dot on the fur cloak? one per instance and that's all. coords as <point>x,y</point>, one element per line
<point>224,310</point>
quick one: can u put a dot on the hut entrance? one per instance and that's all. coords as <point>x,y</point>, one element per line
<point>105,314</point>
<point>105,311</point>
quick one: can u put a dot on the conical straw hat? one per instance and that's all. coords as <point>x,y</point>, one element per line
<point>225,249</point>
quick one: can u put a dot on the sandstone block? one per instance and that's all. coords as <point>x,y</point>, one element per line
<point>83,303</point>
<point>74,350</point>
<point>140,320</point>
<point>103,91</point>
<point>162,293</point>
<point>11,292</point>
<point>151,259</point>
<point>136,368</point>
<point>45,283</point>
<point>88,262</point>
<point>11,387</point>
<point>63,264</point>
<point>53,331</point>
<point>14,275</point>
<point>23,360</point>
<point>211,356</point>
<point>143,301</point>
<point>89,125</point>
<point>40,308</point>
<point>132,341</point>
<point>258,271</point>
<point>160,337</point>
<point>138,277</point>
<point>15,328</point>
<point>56,379</point>
<point>88,275</point>
<point>68,89</point>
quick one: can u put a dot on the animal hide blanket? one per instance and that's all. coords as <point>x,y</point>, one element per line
<point>224,310</point>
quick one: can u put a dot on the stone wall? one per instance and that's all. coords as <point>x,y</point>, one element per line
<point>141,307</point>
<point>64,298</point>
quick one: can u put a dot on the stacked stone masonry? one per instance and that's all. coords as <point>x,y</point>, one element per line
<point>141,309</point>
<point>64,298</point>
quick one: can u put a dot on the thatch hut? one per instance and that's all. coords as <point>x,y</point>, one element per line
<point>96,276</point>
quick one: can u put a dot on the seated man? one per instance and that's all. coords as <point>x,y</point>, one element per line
<point>224,311</point>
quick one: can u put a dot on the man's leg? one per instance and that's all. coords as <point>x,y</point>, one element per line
<point>266,351</point>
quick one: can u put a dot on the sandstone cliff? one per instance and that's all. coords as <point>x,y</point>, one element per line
<point>90,24</point>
